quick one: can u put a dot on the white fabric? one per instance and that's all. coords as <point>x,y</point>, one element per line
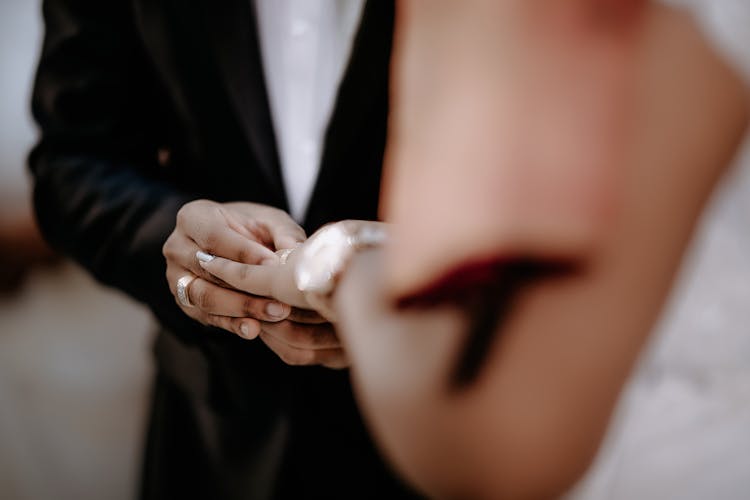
<point>305,45</point>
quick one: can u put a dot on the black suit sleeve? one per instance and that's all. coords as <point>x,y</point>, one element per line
<point>100,194</point>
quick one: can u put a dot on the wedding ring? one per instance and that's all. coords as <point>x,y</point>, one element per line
<point>284,254</point>
<point>183,285</point>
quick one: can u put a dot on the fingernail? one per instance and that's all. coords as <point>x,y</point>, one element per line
<point>204,257</point>
<point>246,331</point>
<point>276,310</point>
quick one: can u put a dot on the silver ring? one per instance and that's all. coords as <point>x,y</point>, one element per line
<point>183,285</point>
<point>284,254</point>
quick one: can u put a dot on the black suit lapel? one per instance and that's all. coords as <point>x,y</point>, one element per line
<point>364,85</point>
<point>233,36</point>
<point>232,32</point>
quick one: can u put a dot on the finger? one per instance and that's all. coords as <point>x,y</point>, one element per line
<point>173,275</point>
<point>180,251</point>
<point>302,336</point>
<point>337,362</point>
<point>220,301</point>
<point>284,232</point>
<point>275,281</point>
<point>213,299</point>
<point>247,328</point>
<point>308,316</point>
<point>283,240</point>
<point>209,229</point>
<point>269,225</point>
<point>264,223</point>
<point>302,357</point>
<point>257,280</point>
<point>228,244</point>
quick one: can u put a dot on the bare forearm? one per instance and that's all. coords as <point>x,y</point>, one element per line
<point>527,427</point>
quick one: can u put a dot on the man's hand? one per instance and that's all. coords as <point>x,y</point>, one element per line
<point>305,339</point>
<point>243,232</point>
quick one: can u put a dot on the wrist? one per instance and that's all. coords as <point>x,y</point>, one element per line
<point>326,256</point>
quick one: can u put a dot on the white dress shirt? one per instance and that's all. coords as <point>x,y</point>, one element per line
<point>305,46</point>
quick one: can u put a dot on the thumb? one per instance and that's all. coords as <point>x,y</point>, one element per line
<point>287,236</point>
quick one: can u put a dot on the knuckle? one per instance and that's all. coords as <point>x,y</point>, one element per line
<point>336,361</point>
<point>295,229</point>
<point>249,307</point>
<point>308,357</point>
<point>211,242</point>
<point>324,337</point>
<point>253,225</point>
<point>298,335</point>
<point>244,255</point>
<point>304,315</point>
<point>203,298</point>
<point>300,357</point>
<point>292,356</point>
<point>231,325</point>
<point>198,204</point>
<point>217,213</point>
<point>168,248</point>
<point>192,313</point>
<point>182,214</point>
<point>270,211</point>
<point>185,210</point>
<point>243,273</point>
<point>287,357</point>
<point>282,329</point>
<point>209,320</point>
<point>320,337</point>
<point>202,273</point>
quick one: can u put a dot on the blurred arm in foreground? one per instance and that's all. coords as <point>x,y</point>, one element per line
<point>528,137</point>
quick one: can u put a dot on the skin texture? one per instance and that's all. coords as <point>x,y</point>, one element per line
<point>246,233</point>
<point>497,104</point>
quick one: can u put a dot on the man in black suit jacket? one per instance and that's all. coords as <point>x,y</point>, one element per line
<point>144,106</point>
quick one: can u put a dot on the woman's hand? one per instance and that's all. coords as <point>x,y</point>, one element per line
<point>272,279</point>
